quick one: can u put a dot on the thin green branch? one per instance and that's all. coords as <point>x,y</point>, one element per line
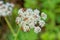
<point>9,25</point>
<point>17,32</point>
<point>18,29</point>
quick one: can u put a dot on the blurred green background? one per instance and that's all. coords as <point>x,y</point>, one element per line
<point>51,31</point>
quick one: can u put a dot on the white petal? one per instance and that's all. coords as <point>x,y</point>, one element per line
<point>26,28</point>
<point>10,8</point>
<point>3,14</point>
<point>29,10</point>
<point>20,11</point>
<point>36,11</point>
<point>12,5</point>
<point>7,4</point>
<point>1,2</point>
<point>17,20</point>
<point>31,25</point>
<point>42,23</point>
<point>43,15</point>
<point>37,29</point>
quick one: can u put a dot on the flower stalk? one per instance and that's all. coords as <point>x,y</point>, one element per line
<point>9,25</point>
<point>11,29</point>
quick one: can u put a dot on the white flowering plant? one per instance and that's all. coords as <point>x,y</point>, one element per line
<point>31,19</point>
<point>27,19</point>
<point>6,8</point>
<point>32,24</point>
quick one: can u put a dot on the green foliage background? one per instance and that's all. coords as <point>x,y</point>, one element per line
<point>51,31</point>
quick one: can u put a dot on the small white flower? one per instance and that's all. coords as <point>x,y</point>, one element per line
<point>12,5</point>
<point>37,29</point>
<point>43,15</point>
<point>17,20</point>
<point>10,8</point>
<point>22,22</point>
<point>4,14</point>
<point>26,28</point>
<point>1,2</point>
<point>4,9</point>
<point>42,23</point>
<point>7,4</point>
<point>1,11</point>
<point>8,13</point>
<point>20,11</point>
<point>31,25</point>
<point>29,10</point>
<point>36,11</point>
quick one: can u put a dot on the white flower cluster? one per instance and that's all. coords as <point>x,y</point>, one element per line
<point>31,19</point>
<point>6,9</point>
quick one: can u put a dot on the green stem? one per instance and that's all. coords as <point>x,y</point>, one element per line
<point>17,32</point>
<point>15,37</point>
<point>9,25</point>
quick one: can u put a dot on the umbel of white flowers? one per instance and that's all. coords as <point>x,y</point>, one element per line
<point>29,19</point>
<point>6,9</point>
